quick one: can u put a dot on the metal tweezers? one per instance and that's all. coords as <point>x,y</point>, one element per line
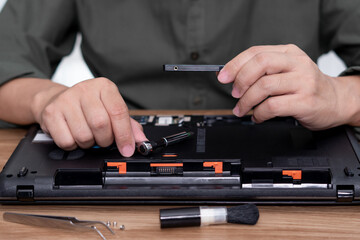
<point>55,222</point>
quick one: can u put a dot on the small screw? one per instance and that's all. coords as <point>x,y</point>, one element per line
<point>114,224</point>
<point>108,224</point>
<point>122,227</point>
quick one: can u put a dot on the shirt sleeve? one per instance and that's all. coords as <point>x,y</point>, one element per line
<point>34,36</point>
<point>340,31</point>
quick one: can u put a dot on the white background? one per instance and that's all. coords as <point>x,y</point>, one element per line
<point>73,69</point>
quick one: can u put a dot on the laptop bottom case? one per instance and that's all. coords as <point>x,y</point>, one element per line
<point>228,160</point>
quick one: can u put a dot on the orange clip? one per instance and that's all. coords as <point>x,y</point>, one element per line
<point>120,165</point>
<point>217,165</point>
<point>295,174</point>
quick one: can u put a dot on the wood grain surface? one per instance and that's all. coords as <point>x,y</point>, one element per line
<point>142,222</point>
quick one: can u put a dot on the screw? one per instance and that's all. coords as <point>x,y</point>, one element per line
<point>114,224</point>
<point>108,224</point>
<point>122,227</point>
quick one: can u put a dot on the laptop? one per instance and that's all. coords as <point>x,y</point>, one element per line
<point>228,160</point>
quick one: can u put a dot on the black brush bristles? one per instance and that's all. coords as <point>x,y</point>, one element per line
<point>243,214</point>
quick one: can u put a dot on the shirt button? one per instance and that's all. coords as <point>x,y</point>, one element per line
<point>194,56</point>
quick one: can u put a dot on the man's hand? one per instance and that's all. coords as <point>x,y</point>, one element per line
<point>283,81</point>
<point>90,112</point>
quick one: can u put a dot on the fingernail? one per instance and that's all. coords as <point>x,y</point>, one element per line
<point>223,76</point>
<point>235,92</point>
<point>253,119</point>
<point>236,111</point>
<point>127,151</point>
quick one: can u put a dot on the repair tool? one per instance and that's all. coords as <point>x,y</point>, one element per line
<point>146,147</point>
<point>55,222</point>
<point>191,68</point>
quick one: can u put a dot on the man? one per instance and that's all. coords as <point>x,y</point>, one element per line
<point>126,43</point>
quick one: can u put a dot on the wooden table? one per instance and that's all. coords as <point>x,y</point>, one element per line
<point>276,222</point>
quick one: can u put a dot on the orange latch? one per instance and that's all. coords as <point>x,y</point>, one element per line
<point>120,165</point>
<point>217,165</point>
<point>295,174</point>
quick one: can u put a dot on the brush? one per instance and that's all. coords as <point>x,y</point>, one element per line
<point>203,216</point>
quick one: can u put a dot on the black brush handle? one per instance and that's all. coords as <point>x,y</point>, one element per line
<point>180,217</point>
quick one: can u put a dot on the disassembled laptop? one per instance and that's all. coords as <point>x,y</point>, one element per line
<point>227,160</point>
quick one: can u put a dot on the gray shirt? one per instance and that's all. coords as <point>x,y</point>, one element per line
<point>128,41</point>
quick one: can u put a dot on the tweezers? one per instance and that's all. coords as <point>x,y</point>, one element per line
<point>55,222</point>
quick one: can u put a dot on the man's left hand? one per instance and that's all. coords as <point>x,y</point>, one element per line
<point>282,80</point>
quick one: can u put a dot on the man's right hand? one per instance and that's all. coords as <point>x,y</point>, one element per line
<point>91,112</point>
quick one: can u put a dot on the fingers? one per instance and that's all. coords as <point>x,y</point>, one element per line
<point>57,127</point>
<point>269,71</point>
<point>268,85</point>
<point>98,120</point>
<point>78,126</point>
<point>258,66</point>
<point>231,69</point>
<point>67,125</point>
<point>279,106</point>
<point>91,111</point>
<point>120,119</point>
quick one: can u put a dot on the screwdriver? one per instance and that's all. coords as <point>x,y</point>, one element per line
<point>146,147</point>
